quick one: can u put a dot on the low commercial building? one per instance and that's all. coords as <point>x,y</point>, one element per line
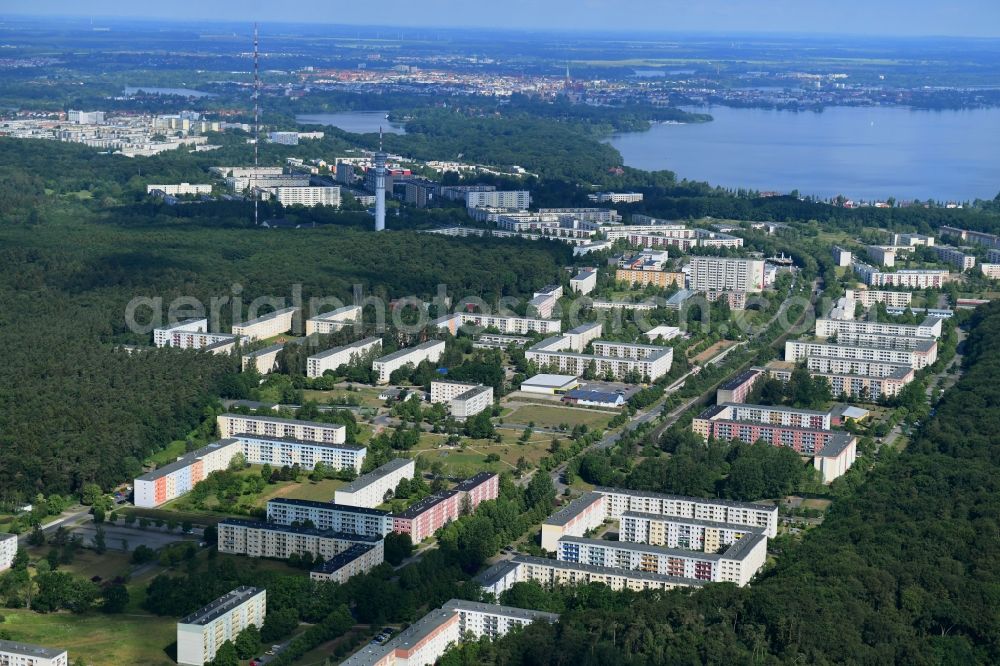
<point>618,501</point>
<point>428,351</point>
<point>510,325</point>
<point>177,478</point>
<point>255,538</point>
<point>232,425</point>
<point>333,321</point>
<point>376,486</point>
<point>589,398</point>
<point>425,641</point>
<point>923,355</point>
<point>14,653</point>
<point>181,189</point>
<point>869,297</point>
<point>331,359</point>
<point>617,359</point>
<point>267,326</point>
<point>8,549</point>
<point>583,514</point>
<point>836,458</point>
<point>584,282</point>
<point>329,516</point>
<point>358,559</point>
<point>677,301</point>
<point>929,328</point>
<point>191,334</point>
<point>201,634</point>
<point>737,564</point>
<point>664,332</point>
<point>739,387</point>
<point>547,384</point>
<point>550,573</point>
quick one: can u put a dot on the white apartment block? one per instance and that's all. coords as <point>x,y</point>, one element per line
<point>929,328</point>
<point>245,172</point>
<point>583,282</point>
<point>686,533</point>
<point>356,560</point>
<point>330,516</point>
<point>722,274</point>
<point>618,359</point>
<point>13,653</point>
<point>847,366</point>
<point>179,477</point>
<point>593,215</point>
<point>883,255</point>
<point>241,183</point>
<point>234,425</point>
<point>955,257</point>
<point>583,514</point>
<point>836,458</point>
<point>8,549</point>
<point>279,452</point>
<point>264,361</point>
<point>549,573</point>
<point>773,415</point>
<point>912,240</point>
<point>191,334</point>
<point>583,335</point>
<point>866,386</point>
<point>255,538</point>
<point>509,325</point>
<point>618,501</point>
<point>201,634</point>
<point>464,400</point>
<point>737,564</point>
<point>841,257</point>
<point>493,620</point>
<point>428,351</point>
<point>520,199</point>
<point>869,297</point>
<point>993,256</point>
<point>991,271</point>
<point>922,356</point>
<point>331,322</point>
<point>85,117</point>
<point>307,196</point>
<point>616,197</point>
<point>182,188</point>
<point>376,486</point>
<point>267,326</point>
<point>907,279</point>
<point>331,359</point>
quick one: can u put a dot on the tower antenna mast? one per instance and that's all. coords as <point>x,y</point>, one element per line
<point>256,123</point>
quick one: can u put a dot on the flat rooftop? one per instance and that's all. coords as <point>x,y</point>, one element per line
<point>354,345</point>
<point>340,560</point>
<point>268,317</point>
<point>837,445</point>
<point>403,353</point>
<point>425,504</point>
<point>740,379</point>
<point>327,506</point>
<point>186,460</point>
<point>776,408</point>
<point>376,474</point>
<point>310,531</point>
<point>289,440</point>
<point>604,490</point>
<point>335,313</point>
<point>734,551</point>
<point>222,605</point>
<point>573,509</point>
<point>659,517</point>
<point>407,640</point>
<point>634,574</point>
<point>550,381</point>
<point>583,328</point>
<point>475,480</point>
<point>275,419</point>
<point>28,650</point>
<point>497,609</point>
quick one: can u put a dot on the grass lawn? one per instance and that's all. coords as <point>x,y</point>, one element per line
<point>458,462</point>
<point>366,396</point>
<point>196,517</point>
<point>307,490</point>
<point>174,450</point>
<point>101,640</point>
<point>553,417</point>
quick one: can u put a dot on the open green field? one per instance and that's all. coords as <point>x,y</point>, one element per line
<point>459,462</point>
<point>307,490</point>
<point>552,417</point>
<point>174,450</point>
<point>367,396</point>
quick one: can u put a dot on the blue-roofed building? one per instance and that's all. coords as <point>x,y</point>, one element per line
<point>588,398</point>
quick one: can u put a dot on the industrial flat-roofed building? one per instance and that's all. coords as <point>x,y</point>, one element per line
<point>256,538</point>
<point>373,488</point>
<point>428,351</point>
<point>267,326</point>
<point>618,501</point>
<point>331,359</point>
<point>333,321</point>
<point>14,653</point>
<point>201,634</point>
<point>583,514</point>
<point>329,516</point>
<point>231,425</point>
<point>548,384</point>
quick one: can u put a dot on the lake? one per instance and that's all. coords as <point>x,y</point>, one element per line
<point>183,92</point>
<point>862,153</point>
<point>356,122</point>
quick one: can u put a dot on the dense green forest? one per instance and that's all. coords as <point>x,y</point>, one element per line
<point>906,570</point>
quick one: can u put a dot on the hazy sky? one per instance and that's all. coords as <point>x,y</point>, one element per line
<point>974,18</point>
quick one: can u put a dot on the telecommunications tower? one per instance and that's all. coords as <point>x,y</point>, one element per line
<point>380,158</point>
<point>256,126</point>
